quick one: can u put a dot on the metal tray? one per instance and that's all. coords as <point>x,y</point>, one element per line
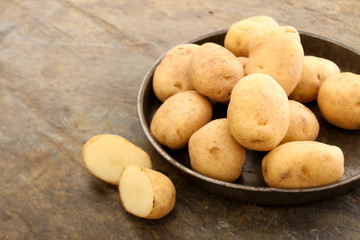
<point>250,187</point>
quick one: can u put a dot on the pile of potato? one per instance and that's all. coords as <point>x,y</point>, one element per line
<point>261,73</point>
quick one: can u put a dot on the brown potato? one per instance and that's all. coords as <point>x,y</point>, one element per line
<point>179,117</point>
<point>278,53</point>
<point>214,71</point>
<point>303,164</point>
<point>240,34</point>
<point>258,112</point>
<point>339,100</point>
<point>304,125</point>
<point>215,153</point>
<point>172,74</point>
<point>315,71</point>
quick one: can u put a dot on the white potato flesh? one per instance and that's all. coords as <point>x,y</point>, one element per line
<point>136,191</point>
<point>106,155</point>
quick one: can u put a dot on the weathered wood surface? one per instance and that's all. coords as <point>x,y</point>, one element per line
<point>72,69</point>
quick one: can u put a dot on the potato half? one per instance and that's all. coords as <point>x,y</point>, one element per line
<point>106,155</point>
<point>146,193</point>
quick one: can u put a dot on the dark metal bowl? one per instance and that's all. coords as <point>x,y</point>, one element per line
<point>250,187</point>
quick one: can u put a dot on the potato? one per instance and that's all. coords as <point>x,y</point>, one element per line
<point>106,155</point>
<point>258,112</point>
<point>315,71</point>
<point>146,193</point>
<point>179,117</point>
<point>215,153</point>
<point>339,100</point>
<point>278,53</point>
<point>214,71</point>
<point>172,74</point>
<point>243,61</point>
<point>242,33</point>
<point>303,164</point>
<point>304,125</point>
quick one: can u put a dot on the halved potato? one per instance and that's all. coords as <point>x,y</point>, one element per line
<point>146,193</point>
<point>106,155</point>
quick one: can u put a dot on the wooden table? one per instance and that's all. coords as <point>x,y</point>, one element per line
<point>72,69</point>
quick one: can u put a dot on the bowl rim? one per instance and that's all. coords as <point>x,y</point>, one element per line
<point>140,99</point>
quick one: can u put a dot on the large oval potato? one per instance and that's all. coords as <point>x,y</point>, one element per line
<point>215,153</point>
<point>172,74</point>
<point>303,126</point>
<point>339,100</point>
<point>242,33</point>
<point>214,71</point>
<point>179,117</point>
<point>303,164</point>
<point>258,112</point>
<point>278,53</point>
<point>315,71</point>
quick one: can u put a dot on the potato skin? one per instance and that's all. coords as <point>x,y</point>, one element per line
<point>315,71</point>
<point>278,53</point>
<point>179,117</point>
<point>258,112</point>
<point>339,100</point>
<point>303,164</point>
<point>240,34</point>
<point>214,71</point>
<point>215,153</point>
<point>172,74</point>
<point>304,125</point>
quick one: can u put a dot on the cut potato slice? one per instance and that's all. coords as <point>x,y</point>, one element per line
<point>106,155</point>
<point>146,193</point>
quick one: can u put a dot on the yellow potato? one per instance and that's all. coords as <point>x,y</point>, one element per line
<point>278,53</point>
<point>146,193</point>
<point>303,164</point>
<point>315,71</point>
<point>106,155</point>
<point>214,71</point>
<point>258,112</point>
<point>172,74</point>
<point>215,153</point>
<point>242,33</point>
<point>179,117</point>
<point>304,125</point>
<point>339,100</point>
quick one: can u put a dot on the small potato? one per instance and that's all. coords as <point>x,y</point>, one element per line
<point>214,71</point>
<point>215,153</point>
<point>243,61</point>
<point>303,164</point>
<point>304,125</point>
<point>172,74</point>
<point>339,100</point>
<point>315,71</point>
<point>278,53</point>
<point>258,112</point>
<point>242,33</point>
<point>106,155</point>
<point>146,193</point>
<point>179,117</point>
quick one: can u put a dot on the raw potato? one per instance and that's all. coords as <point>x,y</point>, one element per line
<point>303,164</point>
<point>242,33</point>
<point>146,193</point>
<point>258,112</point>
<point>315,71</point>
<point>339,100</point>
<point>179,117</point>
<point>243,61</point>
<point>106,155</point>
<point>214,71</point>
<point>304,125</point>
<point>172,74</point>
<point>215,153</point>
<point>278,53</point>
